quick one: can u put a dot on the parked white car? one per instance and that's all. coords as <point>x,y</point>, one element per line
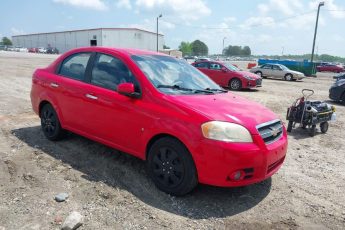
<point>277,71</point>
<point>42,50</point>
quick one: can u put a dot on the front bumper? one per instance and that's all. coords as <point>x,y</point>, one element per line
<point>253,83</point>
<point>217,161</point>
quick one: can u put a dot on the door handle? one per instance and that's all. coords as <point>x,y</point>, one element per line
<point>91,96</point>
<point>54,85</point>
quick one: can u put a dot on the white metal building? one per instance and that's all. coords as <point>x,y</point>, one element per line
<point>113,37</point>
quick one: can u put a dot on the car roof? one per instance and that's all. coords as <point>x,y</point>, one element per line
<point>125,51</point>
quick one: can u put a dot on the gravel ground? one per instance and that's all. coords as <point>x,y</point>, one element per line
<point>112,191</point>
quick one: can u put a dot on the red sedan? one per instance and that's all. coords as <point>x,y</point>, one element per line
<point>162,110</point>
<point>330,68</point>
<point>228,76</point>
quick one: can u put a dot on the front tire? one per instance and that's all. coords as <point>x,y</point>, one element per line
<point>259,73</point>
<point>50,123</point>
<point>289,128</point>
<point>312,130</point>
<point>324,127</point>
<point>288,77</point>
<point>171,167</point>
<point>235,84</point>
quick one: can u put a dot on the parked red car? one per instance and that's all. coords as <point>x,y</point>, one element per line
<point>227,75</point>
<point>162,110</point>
<point>330,68</point>
<point>33,50</point>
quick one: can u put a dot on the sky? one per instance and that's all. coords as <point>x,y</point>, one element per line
<point>268,26</point>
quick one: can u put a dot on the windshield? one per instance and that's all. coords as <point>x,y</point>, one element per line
<point>173,76</point>
<point>283,67</point>
<point>231,67</point>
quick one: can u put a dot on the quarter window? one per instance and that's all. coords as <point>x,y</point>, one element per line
<point>75,66</point>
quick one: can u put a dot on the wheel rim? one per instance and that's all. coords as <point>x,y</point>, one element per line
<point>168,167</point>
<point>235,84</point>
<point>48,122</point>
<point>259,74</point>
<point>288,77</point>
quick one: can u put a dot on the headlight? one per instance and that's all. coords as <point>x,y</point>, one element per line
<point>248,78</point>
<point>225,131</point>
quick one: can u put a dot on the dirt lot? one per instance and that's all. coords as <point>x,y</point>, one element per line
<point>112,191</point>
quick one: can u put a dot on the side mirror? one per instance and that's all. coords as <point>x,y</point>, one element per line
<point>224,69</point>
<point>127,89</point>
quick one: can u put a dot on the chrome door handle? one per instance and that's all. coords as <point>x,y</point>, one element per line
<point>54,85</point>
<point>91,96</point>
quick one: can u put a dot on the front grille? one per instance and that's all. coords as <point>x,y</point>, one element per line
<point>270,131</point>
<point>258,82</point>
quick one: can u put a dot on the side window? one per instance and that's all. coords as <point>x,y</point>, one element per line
<point>109,71</point>
<point>215,66</point>
<point>275,67</point>
<point>203,65</point>
<point>267,67</point>
<point>74,66</point>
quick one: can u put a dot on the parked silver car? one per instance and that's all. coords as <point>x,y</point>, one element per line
<point>277,71</point>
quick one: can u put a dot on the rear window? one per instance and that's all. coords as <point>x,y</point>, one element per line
<point>74,66</point>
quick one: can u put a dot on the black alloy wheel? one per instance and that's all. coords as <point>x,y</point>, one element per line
<point>324,127</point>
<point>171,167</point>
<point>50,123</point>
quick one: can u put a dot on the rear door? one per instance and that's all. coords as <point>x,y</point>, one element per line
<point>69,84</point>
<point>218,75</point>
<point>204,67</point>
<point>267,70</point>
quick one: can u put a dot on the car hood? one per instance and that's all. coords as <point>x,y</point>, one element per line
<point>249,74</point>
<point>295,72</point>
<point>226,107</point>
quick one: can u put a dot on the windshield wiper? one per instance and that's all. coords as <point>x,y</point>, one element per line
<point>217,90</point>
<point>174,87</point>
<point>185,89</point>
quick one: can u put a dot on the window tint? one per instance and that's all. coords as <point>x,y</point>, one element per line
<point>267,67</point>
<point>74,66</point>
<point>275,67</point>
<point>202,65</point>
<point>109,71</point>
<point>215,66</point>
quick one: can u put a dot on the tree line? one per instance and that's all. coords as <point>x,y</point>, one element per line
<point>237,51</point>
<point>196,47</point>
<point>5,41</point>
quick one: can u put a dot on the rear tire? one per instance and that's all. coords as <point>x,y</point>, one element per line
<point>50,124</point>
<point>235,84</point>
<point>171,167</point>
<point>324,127</point>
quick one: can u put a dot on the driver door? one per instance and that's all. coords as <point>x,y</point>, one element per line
<point>277,72</point>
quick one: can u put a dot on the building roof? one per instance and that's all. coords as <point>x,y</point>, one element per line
<point>66,31</point>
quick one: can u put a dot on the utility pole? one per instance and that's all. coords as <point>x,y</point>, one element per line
<point>157,29</point>
<point>282,50</point>
<point>316,24</point>
<point>223,45</point>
